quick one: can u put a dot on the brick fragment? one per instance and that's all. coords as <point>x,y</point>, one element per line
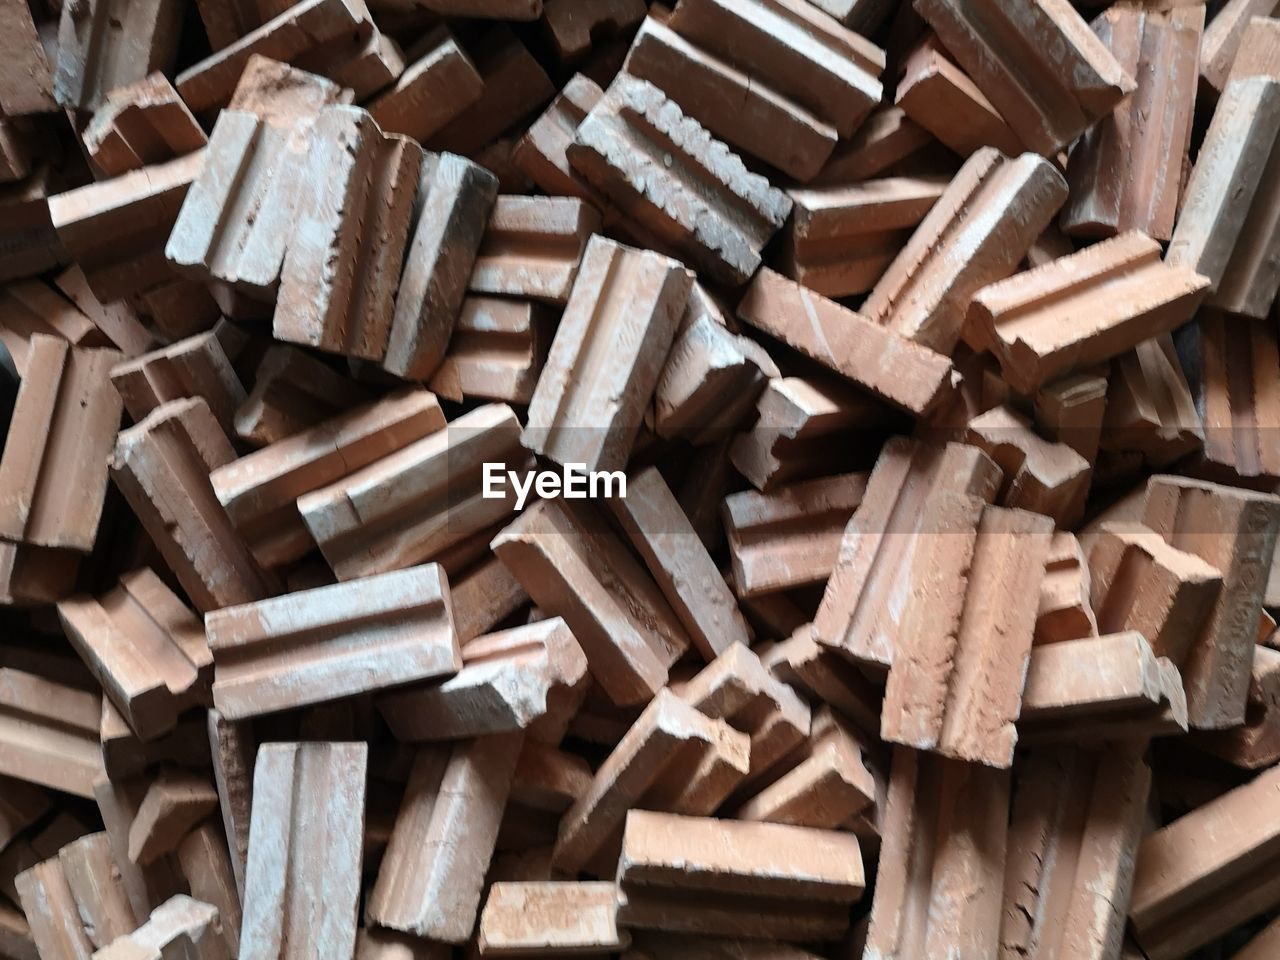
<point>432,875</point>
<point>181,926</point>
<point>105,44</point>
<point>292,392</point>
<point>524,919</point>
<point>26,84</point>
<point>1224,37</point>
<point>496,351</point>
<point>139,124</point>
<point>49,733</point>
<point>303,877</point>
<point>668,174</point>
<point>1065,611</point>
<point>194,367</point>
<point>726,878</point>
<point>162,467</point>
<point>575,29</point>
<point>226,21</point>
<point>52,474</point>
<point>823,675</point>
<point>541,153</point>
<point>533,247</point>
<point>126,755</point>
<point>437,86</point>
<point>1236,399</point>
<point>173,804</point>
<point>1150,407</point>
<point>1070,410</point>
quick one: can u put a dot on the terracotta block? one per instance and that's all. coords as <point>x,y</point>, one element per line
<point>736,211</point>
<point>887,139</point>
<point>145,647</point>
<point>1256,744</point>
<point>1071,410</point>
<point>360,184</point>
<point>303,878</point>
<point>483,597</point>
<point>1223,38</point>
<point>32,307</point>
<point>179,308</point>
<point>143,123</point>
<point>1076,823</point>
<point>52,475</point>
<point>790,537</point>
<point>496,351</point>
<point>51,910</point>
<point>1100,688</point>
<point>435,88</point>
<point>21,805</point>
<point>1047,478</point>
<point>432,876</point>
<point>366,67</point>
<point>90,873</point>
<point>1150,407</point>
<point>1127,171</point>
<point>194,367</point>
<point>674,758</point>
<point>292,392</point>
<point>822,675</point>
<point>856,618</point>
<point>162,467</point>
<point>524,919</point>
<point>173,804</point>
<point>1233,530</point>
<point>533,246</point>
<point>26,85</point>
<point>1065,611</point>
<point>282,95</point>
<point>575,29</point>
<point>840,239</point>
<point>1236,400</point>
<point>118,323</point>
<point>1207,871</point>
<point>192,927</point>
<point>147,886</point>
<point>727,878</point>
<point>347,639</point>
<point>541,153</point>
<point>392,513</point>
<point>311,28</point>
<point>612,340</point>
<point>106,44</point>
<point>49,733</point>
<point>233,749</point>
<point>1256,55</point>
<point>993,211</point>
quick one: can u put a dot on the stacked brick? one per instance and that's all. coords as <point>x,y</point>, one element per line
<point>682,480</point>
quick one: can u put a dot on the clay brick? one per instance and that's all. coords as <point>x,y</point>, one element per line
<point>856,618</point>
<point>1044,477</point>
<point>116,229</point>
<point>434,89</point>
<point>125,754</point>
<point>1207,871</point>
<point>574,29</point>
<point>1233,530</point>
<point>1041,66</point>
<point>1071,411</point>
<point>190,927</point>
<point>547,780</point>
<point>541,153</point>
<point>1143,583</point>
<point>147,887</point>
<point>226,21</point>
<point>194,367</point>
<point>1100,688</point>
<point>1256,55</point>
<point>26,84</point>
<point>840,239</point>
<point>496,351</point>
<point>533,247</point>
<point>173,804</point>
<point>106,44</point>
<point>162,467</point>
<point>1149,405</point>
<point>331,642</point>
<point>726,878</point>
<point>145,647</point>
<point>790,537</point>
<point>367,67</point>
<point>1065,611</point>
<point>938,885</point>
<point>282,95</point>
<point>292,392</point>
<point>355,210</point>
<point>49,733</point>
<point>52,475</point>
<point>32,307</point>
<point>50,908</point>
<point>454,200</point>
<point>511,680</point>
<point>911,377</point>
<point>432,875</point>
<point>179,308</point>
<point>232,748</point>
<point>118,323</point>
<point>669,175</point>
<point>21,805</point>
<point>612,339</point>
<point>886,140</point>
<point>1083,309</point>
<point>1224,219</point>
<point>1256,744</point>
<point>392,513</point>
<point>373,943</point>
<point>671,758</point>
<point>303,878</point>
<point>1224,36</point>
<point>1236,399</point>
<point>483,597</point>
<point>823,675</point>
<point>90,873</point>
<point>309,29</point>
<point>1127,171</point>
<point>977,232</point>
<point>1076,823</point>
<point>523,919</point>
<point>28,243</point>
<point>143,123</point>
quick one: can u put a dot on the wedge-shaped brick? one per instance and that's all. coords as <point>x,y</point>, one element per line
<point>49,733</point>
<point>1235,531</point>
<point>52,476</point>
<point>338,283</point>
<point>664,170</point>
<point>1224,37</point>
<point>911,377</point>
<point>432,875</point>
<point>791,536</point>
<point>145,647</point>
<point>434,88</point>
<point>508,681</point>
<point>1227,220</point>
<point>531,919</point>
<point>303,878</point>
<point>331,642</point>
<point>1076,823</point>
<point>416,502</point>
<point>607,356</point>
<point>960,657</point>
<point>1127,171</point>
<point>1045,71</point>
<point>1150,408</point>
<point>1065,611</point>
<point>105,44</point>
<point>532,247</point>
<point>194,367</point>
<point>142,123</point>
<point>672,758</point>
<point>877,552</point>
<point>727,878</point>
<point>976,233</point>
<point>162,467</point>
<point>293,391</point>
<point>573,566</point>
<point>496,352</point>
<point>1207,871</point>
<point>840,239</point>
<point>823,675</point>
<point>190,927</point>
<point>541,153</point>
<point>454,200</point>
<point>1100,688</point>
<point>1256,744</point>
<point>1237,360</point>
<point>28,79</point>
<point>1083,309</point>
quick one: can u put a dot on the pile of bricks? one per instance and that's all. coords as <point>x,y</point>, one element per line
<point>915,362</point>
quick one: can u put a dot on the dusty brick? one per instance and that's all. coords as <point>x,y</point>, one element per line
<point>49,733</point>
<point>26,81</point>
<point>106,44</point>
<point>521,919</point>
<point>533,247</point>
<point>496,351</point>
<point>173,804</point>
<point>181,923</point>
<point>1224,36</point>
<point>1150,407</point>
<point>887,139</point>
<point>822,675</point>
<point>282,95</point>
<point>434,88</point>
<point>143,123</point>
<point>292,392</point>
<point>1071,411</point>
<point>1235,398</point>
<point>194,367</point>
<point>1065,611</point>
<point>541,153</point>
